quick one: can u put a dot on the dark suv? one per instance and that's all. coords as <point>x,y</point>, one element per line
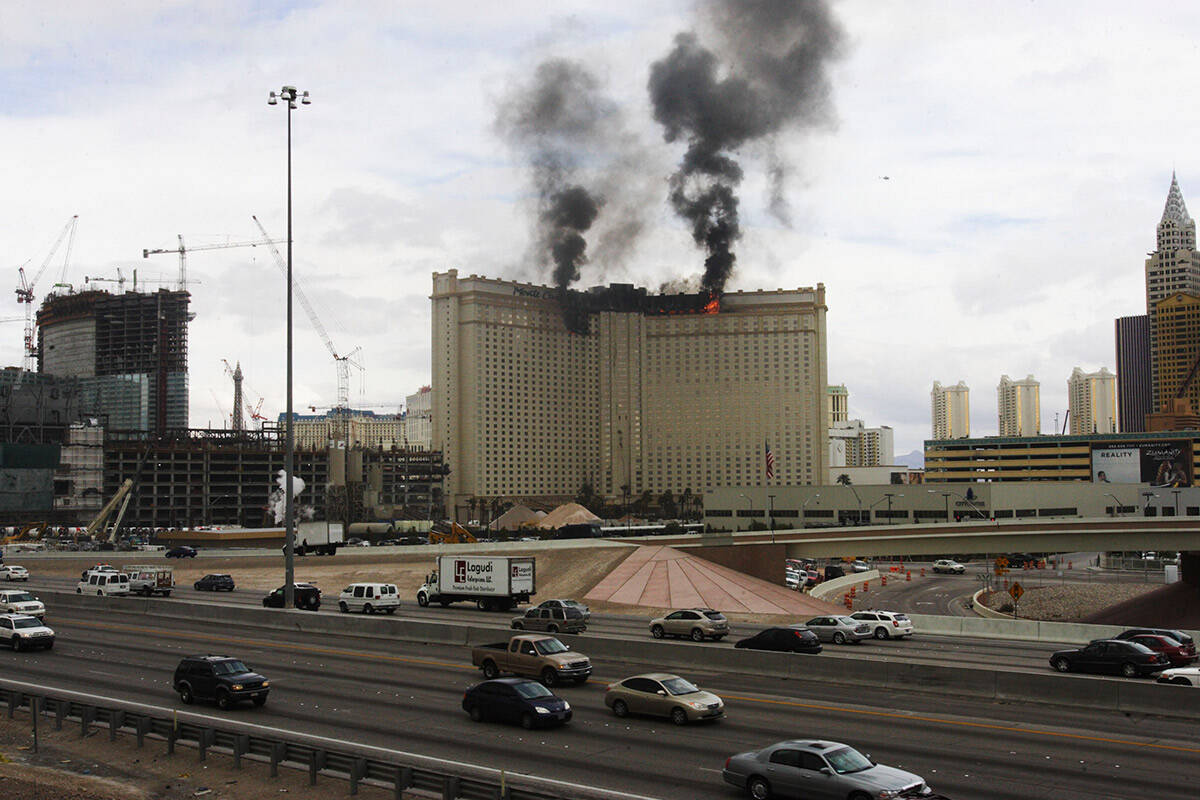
<point>221,678</point>
<point>214,583</point>
<point>307,597</point>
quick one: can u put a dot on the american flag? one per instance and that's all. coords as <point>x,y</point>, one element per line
<point>770,461</point>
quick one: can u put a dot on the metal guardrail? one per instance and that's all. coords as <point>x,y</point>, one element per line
<point>332,758</point>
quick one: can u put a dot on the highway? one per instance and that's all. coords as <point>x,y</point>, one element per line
<point>921,648</point>
<point>407,696</point>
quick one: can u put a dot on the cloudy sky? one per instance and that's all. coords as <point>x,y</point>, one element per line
<point>979,202</point>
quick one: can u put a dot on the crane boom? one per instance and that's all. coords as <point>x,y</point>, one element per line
<point>343,362</point>
<point>183,250</point>
<point>25,288</point>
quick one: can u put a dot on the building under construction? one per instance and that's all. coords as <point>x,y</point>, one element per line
<point>127,352</point>
<point>223,477</point>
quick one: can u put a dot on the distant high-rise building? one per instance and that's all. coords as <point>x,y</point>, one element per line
<point>837,399</point>
<point>1173,267</point>
<point>418,419</point>
<point>128,352</point>
<point>347,427</point>
<point>951,407</point>
<point>1019,404</point>
<point>853,444</point>
<point>1092,399</point>
<point>1133,372</point>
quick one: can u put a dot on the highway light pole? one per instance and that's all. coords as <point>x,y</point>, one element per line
<point>1146,507</point>
<point>804,505</point>
<point>771,516</point>
<point>289,95</point>
<point>1116,503</point>
<point>749,505</point>
<point>946,497</point>
<point>889,496</point>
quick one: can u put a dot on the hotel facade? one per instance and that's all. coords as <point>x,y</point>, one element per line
<point>639,400</point>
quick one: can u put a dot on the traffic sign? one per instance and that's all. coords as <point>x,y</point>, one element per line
<point>1016,591</point>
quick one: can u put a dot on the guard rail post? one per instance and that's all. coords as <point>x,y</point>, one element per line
<point>116,721</point>
<point>204,740</point>
<point>14,699</point>
<point>404,779</point>
<point>278,750</point>
<point>143,727</point>
<point>172,734</point>
<point>358,770</point>
<point>87,714</point>
<point>312,767</point>
<point>450,788</point>
<point>241,744</point>
<point>60,713</point>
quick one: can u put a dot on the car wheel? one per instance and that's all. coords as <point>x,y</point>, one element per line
<point>1061,664</point>
<point>1129,670</point>
<point>517,626</point>
<point>476,713</point>
<point>697,635</point>
<point>549,677</point>
<point>78,590</point>
<point>483,605</point>
<point>758,788</point>
<point>657,631</point>
<point>490,670</point>
<point>368,609</point>
<point>882,633</point>
<point>679,716</point>
<point>391,610</point>
<point>99,593</point>
<point>527,721</point>
<point>50,645</point>
<point>147,591</point>
<point>839,637</point>
<point>620,708</point>
<point>422,600</point>
<point>223,700</point>
<point>552,628</point>
<point>185,695</point>
<point>16,643</point>
<point>259,701</point>
<point>345,609</point>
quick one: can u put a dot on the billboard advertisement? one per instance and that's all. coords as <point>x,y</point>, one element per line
<point>1155,463</point>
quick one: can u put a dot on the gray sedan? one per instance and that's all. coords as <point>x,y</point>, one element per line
<point>818,770</point>
<point>839,630</point>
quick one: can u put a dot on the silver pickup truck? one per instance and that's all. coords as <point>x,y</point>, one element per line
<point>542,657</point>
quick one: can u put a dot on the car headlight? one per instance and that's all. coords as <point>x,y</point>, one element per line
<point>542,709</point>
<point>697,706</point>
<point>266,684</point>
<point>566,706</point>
<point>885,793</point>
<point>237,687</point>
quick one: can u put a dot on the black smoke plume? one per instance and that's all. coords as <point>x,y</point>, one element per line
<point>766,71</point>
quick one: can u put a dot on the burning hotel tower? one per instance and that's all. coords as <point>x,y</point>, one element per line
<point>538,392</point>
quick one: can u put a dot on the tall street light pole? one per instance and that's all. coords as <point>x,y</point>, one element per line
<point>771,516</point>
<point>749,506</point>
<point>804,505</point>
<point>289,95</point>
<point>889,496</point>
<point>946,497</point>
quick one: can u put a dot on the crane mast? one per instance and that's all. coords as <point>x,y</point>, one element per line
<point>25,289</point>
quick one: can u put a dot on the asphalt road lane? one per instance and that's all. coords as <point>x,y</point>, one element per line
<point>407,697</point>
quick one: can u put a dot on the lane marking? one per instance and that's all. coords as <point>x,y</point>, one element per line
<point>602,684</point>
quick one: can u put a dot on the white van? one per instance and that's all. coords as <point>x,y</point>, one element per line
<point>369,598</point>
<point>102,582</point>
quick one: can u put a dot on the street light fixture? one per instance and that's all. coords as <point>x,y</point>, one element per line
<point>889,496</point>
<point>1176,493</point>
<point>946,497</point>
<point>289,94</point>
<point>749,506</point>
<point>771,516</point>
<point>1116,503</point>
<point>1146,507</point>
<point>804,505</point>
<point>872,505</point>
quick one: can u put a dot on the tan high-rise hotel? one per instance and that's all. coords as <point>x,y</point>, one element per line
<point>524,409</point>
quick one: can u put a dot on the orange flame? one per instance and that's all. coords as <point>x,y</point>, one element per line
<point>713,306</point>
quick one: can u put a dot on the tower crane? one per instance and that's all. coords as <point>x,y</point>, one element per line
<point>25,288</point>
<point>343,362</point>
<point>184,250</point>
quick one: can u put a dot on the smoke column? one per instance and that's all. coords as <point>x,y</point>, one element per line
<point>766,71</point>
<point>278,500</point>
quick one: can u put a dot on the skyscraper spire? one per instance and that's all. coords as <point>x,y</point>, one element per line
<point>1175,210</point>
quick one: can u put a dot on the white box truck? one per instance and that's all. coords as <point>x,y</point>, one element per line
<point>320,537</point>
<point>493,583</point>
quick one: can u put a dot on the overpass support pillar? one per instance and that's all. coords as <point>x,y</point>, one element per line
<point>1189,568</point>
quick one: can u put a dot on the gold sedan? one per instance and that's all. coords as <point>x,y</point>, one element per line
<point>663,695</point>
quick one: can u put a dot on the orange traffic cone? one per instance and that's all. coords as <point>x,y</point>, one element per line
<point>908,575</point>
<point>883,580</point>
<point>922,572</point>
<point>866,586</point>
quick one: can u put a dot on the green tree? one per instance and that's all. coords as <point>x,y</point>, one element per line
<point>666,505</point>
<point>843,479</point>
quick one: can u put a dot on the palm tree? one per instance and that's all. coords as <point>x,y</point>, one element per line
<point>843,479</point>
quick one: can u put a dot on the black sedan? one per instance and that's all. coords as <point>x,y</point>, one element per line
<point>516,700</point>
<point>183,551</point>
<point>214,583</point>
<point>1111,656</point>
<point>791,639</point>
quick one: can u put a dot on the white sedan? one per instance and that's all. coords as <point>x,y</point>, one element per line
<point>1183,676</point>
<point>12,572</point>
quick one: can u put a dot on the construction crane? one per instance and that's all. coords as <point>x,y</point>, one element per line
<point>183,250</point>
<point>241,408</point>
<point>343,362</point>
<point>25,288</point>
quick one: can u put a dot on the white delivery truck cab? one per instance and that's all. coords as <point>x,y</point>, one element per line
<point>493,583</point>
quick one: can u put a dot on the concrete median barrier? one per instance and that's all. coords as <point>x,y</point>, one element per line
<point>942,679</point>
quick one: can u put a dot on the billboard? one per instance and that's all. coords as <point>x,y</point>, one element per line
<point>1155,463</point>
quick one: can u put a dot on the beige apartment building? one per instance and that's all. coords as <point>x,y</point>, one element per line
<point>951,411</point>
<point>658,394</point>
<point>838,402</point>
<point>1172,269</point>
<point>1019,407</point>
<point>1092,400</point>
